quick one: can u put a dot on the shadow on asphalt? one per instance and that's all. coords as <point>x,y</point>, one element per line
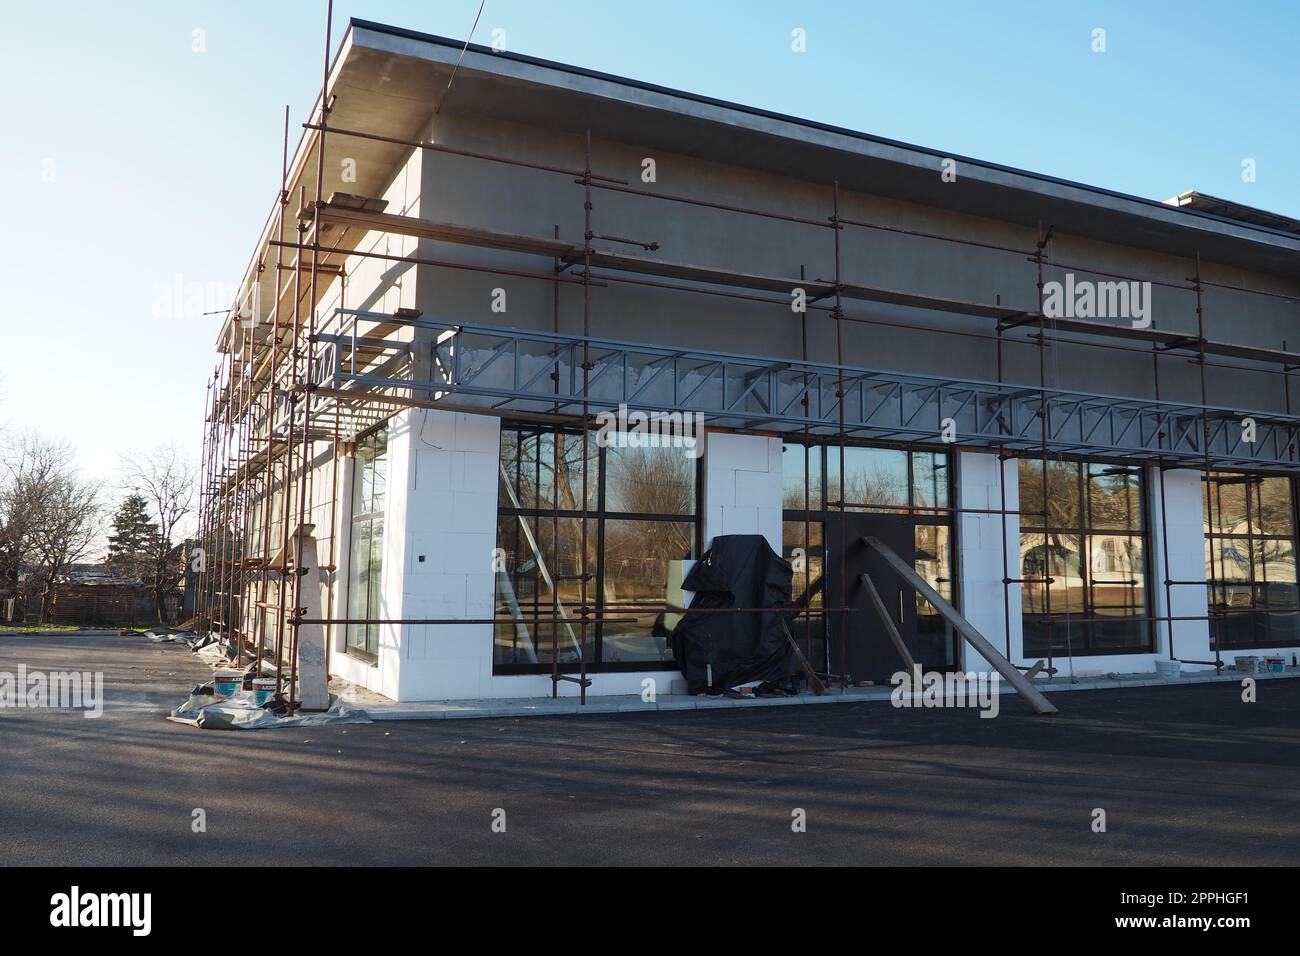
<point>1186,775</point>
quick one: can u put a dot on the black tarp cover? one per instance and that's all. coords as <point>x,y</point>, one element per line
<point>739,570</point>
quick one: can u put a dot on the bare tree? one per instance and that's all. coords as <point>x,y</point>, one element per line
<point>24,473</point>
<point>49,516</point>
<point>67,528</point>
<point>166,477</point>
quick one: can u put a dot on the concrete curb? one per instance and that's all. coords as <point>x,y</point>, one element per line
<point>569,706</point>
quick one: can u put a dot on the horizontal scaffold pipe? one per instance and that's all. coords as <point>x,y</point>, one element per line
<point>819,288</point>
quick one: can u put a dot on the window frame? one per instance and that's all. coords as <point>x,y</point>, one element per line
<point>1258,612</point>
<point>820,513</point>
<point>367,439</point>
<point>1085,645</point>
<point>598,516</point>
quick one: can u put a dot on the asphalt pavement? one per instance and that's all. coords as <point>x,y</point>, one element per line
<point>1184,775</point>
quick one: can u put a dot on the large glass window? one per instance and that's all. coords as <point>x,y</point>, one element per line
<point>642,524</point>
<point>1250,560</point>
<point>366,550</point>
<point>890,481</point>
<point>1083,559</point>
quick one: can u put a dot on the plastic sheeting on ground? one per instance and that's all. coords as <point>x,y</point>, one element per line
<point>213,653</point>
<point>240,713</point>
<point>172,637</point>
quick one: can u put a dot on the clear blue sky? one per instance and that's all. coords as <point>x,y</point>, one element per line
<point>165,161</point>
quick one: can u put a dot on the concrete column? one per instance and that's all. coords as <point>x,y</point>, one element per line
<point>980,553</point>
<point>313,679</point>
<point>447,540</point>
<point>742,487</point>
<point>1184,526</point>
<point>391,605</point>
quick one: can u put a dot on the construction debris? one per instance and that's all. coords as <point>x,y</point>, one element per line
<point>241,712</point>
<point>168,636</point>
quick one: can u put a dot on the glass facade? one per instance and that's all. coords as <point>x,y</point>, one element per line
<point>1250,547</point>
<point>643,518</point>
<point>366,547</point>
<point>912,486</point>
<point>1083,559</point>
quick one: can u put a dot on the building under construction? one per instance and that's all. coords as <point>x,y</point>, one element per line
<point>1066,410</point>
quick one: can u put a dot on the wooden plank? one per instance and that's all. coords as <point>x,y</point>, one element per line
<point>934,303</point>
<point>691,273</point>
<point>815,682</point>
<point>445,232</point>
<point>1170,340</point>
<point>890,629</point>
<point>1032,695</point>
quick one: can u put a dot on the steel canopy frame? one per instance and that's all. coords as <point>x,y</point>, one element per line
<point>518,369</point>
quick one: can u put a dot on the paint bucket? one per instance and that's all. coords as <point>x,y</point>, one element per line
<point>1168,670</point>
<point>263,690</point>
<point>227,683</point>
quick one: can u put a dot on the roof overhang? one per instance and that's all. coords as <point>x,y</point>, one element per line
<point>389,81</point>
<point>1236,211</point>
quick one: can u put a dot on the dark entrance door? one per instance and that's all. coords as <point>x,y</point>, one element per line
<point>868,653</point>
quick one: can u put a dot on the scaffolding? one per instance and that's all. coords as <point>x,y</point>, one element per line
<point>289,397</point>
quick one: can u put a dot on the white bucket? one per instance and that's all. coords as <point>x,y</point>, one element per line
<point>227,683</point>
<point>1168,670</point>
<point>263,690</point>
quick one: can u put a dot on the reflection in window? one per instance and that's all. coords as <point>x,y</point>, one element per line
<point>654,481</point>
<point>883,480</point>
<point>642,505</point>
<point>634,574</point>
<point>877,478</point>
<point>1083,558</point>
<point>929,479</point>
<point>531,462</point>
<point>366,550</point>
<point>1250,560</point>
<point>797,463</point>
<point>803,545</point>
<point>936,644</point>
<point>540,588</point>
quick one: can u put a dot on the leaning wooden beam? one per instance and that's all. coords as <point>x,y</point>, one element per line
<point>892,631</point>
<point>1009,672</point>
<point>814,682</point>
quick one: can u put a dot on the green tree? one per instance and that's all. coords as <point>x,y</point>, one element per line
<point>133,545</point>
<point>165,476</point>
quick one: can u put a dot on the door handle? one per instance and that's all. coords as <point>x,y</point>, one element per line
<point>900,607</point>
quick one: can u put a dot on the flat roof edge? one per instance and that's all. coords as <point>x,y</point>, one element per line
<point>1174,215</point>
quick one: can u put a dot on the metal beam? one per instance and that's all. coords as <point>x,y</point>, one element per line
<point>1032,695</point>
<point>511,368</point>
